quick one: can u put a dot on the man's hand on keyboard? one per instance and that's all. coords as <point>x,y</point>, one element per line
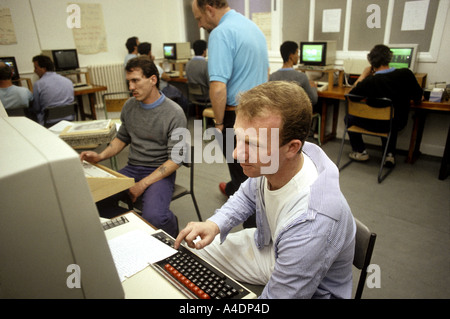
<point>206,230</point>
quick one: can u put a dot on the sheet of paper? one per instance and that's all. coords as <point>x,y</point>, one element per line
<point>331,20</point>
<point>415,15</point>
<point>90,126</point>
<point>94,171</point>
<point>135,250</point>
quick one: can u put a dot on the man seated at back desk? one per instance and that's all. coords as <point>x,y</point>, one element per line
<point>197,68</point>
<point>12,96</point>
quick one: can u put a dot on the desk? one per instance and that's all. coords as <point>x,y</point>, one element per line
<point>90,92</point>
<point>337,94</point>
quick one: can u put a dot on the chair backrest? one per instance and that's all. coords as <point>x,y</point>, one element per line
<point>364,244</point>
<point>197,92</point>
<point>19,111</point>
<point>114,101</point>
<point>373,109</point>
<point>60,111</point>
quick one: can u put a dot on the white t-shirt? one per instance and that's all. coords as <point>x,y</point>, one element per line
<point>276,200</point>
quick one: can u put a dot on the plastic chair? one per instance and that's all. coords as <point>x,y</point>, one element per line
<point>199,96</point>
<point>53,113</point>
<point>364,244</point>
<point>374,109</point>
<point>179,191</point>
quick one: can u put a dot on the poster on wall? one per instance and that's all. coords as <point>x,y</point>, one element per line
<point>7,33</point>
<point>90,37</point>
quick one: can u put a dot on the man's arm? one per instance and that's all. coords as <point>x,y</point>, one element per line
<point>166,169</point>
<point>114,148</point>
<point>218,96</point>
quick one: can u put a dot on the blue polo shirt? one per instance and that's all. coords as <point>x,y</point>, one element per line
<point>238,55</point>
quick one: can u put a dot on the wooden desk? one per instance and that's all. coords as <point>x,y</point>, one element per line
<point>90,92</point>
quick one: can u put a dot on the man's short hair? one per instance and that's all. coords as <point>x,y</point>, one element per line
<point>287,99</point>
<point>379,55</point>
<point>219,4</point>
<point>131,43</point>
<point>288,48</point>
<point>5,72</point>
<point>145,48</point>
<point>146,65</point>
<point>44,62</point>
<point>199,47</point>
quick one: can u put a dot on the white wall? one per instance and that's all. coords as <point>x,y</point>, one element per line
<point>41,25</point>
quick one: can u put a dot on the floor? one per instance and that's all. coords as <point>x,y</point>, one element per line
<point>409,211</point>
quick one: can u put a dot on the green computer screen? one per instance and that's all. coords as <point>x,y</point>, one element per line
<point>401,58</point>
<point>312,53</point>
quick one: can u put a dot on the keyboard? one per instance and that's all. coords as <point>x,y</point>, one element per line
<point>196,278</point>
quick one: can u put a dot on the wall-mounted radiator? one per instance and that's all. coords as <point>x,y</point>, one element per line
<point>110,75</point>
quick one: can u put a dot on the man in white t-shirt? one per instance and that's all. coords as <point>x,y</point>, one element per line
<point>303,245</point>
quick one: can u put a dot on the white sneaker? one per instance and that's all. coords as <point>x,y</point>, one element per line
<point>360,157</point>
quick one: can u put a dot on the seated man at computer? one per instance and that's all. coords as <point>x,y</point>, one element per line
<point>170,91</point>
<point>303,245</point>
<point>289,53</point>
<point>12,96</point>
<point>197,67</point>
<point>380,80</point>
<point>50,90</point>
<point>149,120</point>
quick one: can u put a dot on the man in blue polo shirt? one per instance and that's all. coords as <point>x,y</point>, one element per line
<point>238,61</point>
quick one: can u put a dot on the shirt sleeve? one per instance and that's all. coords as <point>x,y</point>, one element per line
<point>220,61</point>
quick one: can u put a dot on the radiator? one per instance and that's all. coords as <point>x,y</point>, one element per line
<point>110,75</point>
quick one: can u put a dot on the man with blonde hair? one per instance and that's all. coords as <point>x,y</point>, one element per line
<point>303,245</point>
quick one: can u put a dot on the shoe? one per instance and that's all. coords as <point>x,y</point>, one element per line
<point>389,162</point>
<point>222,187</point>
<point>360,157</point>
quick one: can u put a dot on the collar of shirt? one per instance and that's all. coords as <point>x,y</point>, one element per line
<point>157,103</point>
<point>385,71</point>
<point>198,57</point>
<point>286,69</point>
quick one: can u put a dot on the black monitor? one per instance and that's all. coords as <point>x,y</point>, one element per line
<point>11,62</point>
<point>65,60</point>
<point>170,51</point>
<point>317,53</point>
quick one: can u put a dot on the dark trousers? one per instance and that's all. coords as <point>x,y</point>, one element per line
<point>356,139</point>
<point>236,172</point>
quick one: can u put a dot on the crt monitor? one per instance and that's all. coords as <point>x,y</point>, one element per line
<point>404,56</point>
<point>317,53</point>
<point>65,59</point>
<point>11,62</point>
<point>170,51</point>
<point>50,226</point>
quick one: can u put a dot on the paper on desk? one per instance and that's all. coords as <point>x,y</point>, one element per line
<point>135,250</point>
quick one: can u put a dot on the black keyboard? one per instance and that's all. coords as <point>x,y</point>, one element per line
<point>194,277</point>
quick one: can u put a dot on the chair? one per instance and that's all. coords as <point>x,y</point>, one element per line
<point>58,112</point>
<point>374,109</point>
<point>207,113</point>
<point>18,111</point>
<point>114,104</point>
<point>180,191</point>
<point>364,244</point>
<point>198,96</point>
<point>318,117</point>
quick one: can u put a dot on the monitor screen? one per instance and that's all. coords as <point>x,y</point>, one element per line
<point>401,58</point>
<point>170,51</point>
<point>65,59</point>
<point>50,225</point>
<point>11,62</point>
<point>312,53</point>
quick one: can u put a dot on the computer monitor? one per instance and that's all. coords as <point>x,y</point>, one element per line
<point>65,60</point>
<point>11,62</point>
<point>404,56</point>
<point>317,53</point>
<point>177,51</point>
<point>49,222</point>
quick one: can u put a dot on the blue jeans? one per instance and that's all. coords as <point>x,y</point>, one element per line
<point>155,200</point>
